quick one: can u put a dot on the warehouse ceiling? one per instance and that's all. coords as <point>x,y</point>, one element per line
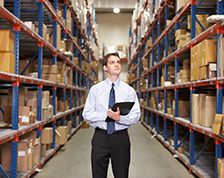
<point>106,6</point>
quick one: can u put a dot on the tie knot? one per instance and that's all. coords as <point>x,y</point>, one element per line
<point>112,84</point>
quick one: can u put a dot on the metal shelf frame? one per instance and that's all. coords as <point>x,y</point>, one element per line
<point>16,79</point>
<point>163,39</point>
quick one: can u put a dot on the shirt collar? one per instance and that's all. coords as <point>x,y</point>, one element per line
<point>116,83</point>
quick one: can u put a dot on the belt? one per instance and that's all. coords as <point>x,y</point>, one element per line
<point>106,132</point>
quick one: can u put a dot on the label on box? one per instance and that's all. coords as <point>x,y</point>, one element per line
<point>21,153</point>
<point>202,61</point>
<point>25,119</point>
<point>29,150</point>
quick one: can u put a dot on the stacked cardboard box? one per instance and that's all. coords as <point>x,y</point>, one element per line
<point>25,156</point>
<point>170,74</point>
<point>49,72</point>
<point>181,37</point>
<point>61,72</point>
<point>201,55</point>
<point>203,109</point>
<point>7,57</point>
<point>26,117</point>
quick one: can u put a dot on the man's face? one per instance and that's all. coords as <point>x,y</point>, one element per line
<point>113,66</point>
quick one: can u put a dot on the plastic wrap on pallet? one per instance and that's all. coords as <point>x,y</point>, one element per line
<point>215,18</point>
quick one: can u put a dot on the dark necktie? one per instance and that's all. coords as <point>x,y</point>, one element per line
<point>111,125</point>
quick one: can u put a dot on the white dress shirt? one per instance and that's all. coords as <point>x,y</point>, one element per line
<point>97,104</point>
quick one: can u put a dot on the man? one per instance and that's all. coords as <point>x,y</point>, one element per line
<point>111,139</point>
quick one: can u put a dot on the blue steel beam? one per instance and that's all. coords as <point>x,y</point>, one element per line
<point>65,17</point>
<point>15,93</point>
<point>63,100</point>
<point>219,92</point>
<point>175,124</point>
<point>3,171</point>
<point>54,113</point>
<point>192,140</point>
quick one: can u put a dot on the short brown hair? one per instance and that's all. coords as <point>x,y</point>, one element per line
<point>105,58</point>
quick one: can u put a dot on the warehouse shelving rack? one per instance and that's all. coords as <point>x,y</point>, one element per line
<point>44,48</point>
<point>217,83</point>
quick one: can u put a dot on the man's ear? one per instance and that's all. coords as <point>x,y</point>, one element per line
<point>105,68</point>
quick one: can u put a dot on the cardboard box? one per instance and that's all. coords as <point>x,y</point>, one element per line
<point>47,112</point>
<point>208,48</point>
<point>60,106</point>
<point>50,77</point>
<point>7,62</point>
<point>69,45</point>
<point>30,135</point>
<point>171,142</point>
<point>208,111</point>
<point>76,61</point>
<point>2,3</point>
<point>203,72</point>
<point>24,111</point>
<point>195,109</point>
<point>180,150</point>
<point>69,127</point>
<point>32,103</point>
<point>216,128</point>
<point>220,162</point>
<point>6,41</point>
<point>22,159</point>
<point>47,135</point>
<point>61,135</point>
<point>6,156</point>
<point>201,100</point>
<point>88,68</point>
<point>170,111</point>
<point>36,156</point>
<point>85,124</point>
<point>43,150</point>
<point>49,69</point>
<point>30,156</point>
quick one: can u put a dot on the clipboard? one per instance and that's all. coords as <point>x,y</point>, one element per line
<point>124,108</point>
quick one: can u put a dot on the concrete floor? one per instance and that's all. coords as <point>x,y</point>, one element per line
<point>149,159</point>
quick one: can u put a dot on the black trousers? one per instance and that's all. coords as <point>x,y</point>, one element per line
<point>114,146</point>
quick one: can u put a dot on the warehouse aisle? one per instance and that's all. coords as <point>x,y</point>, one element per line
<point>149,159</point>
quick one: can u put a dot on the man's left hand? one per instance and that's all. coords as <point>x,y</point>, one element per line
<point>114,115</point>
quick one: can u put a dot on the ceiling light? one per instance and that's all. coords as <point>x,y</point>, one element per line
<point>116,10</point>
